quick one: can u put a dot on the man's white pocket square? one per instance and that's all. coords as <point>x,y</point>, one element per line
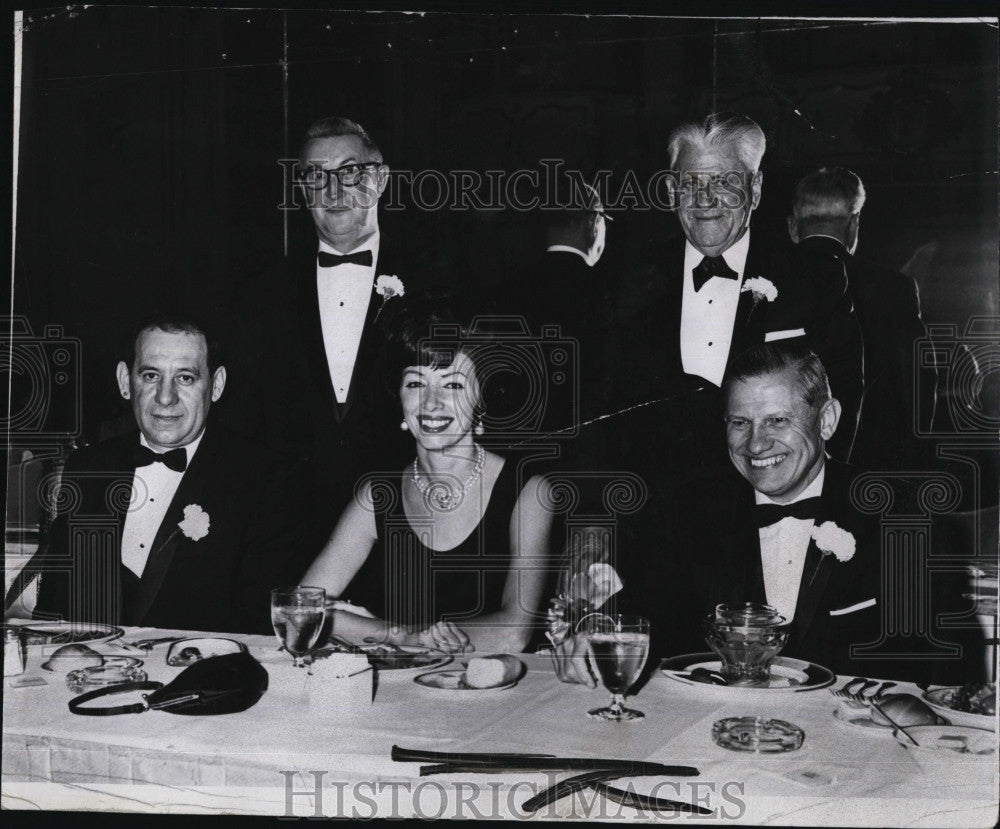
<point>771,336</point>
<point>843,611</point>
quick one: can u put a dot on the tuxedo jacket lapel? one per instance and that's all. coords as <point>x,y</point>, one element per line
<point>367,351</point>
<point>743,548</point>
<point>169,535</point>
<point>311,334</point>
<point>125,583</point>
<point>815,576</point>
<point>674,289</point>
<point>747,308</point>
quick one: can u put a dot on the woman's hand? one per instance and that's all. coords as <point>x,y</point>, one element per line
<point>570,657</point>
<point>444,636</point>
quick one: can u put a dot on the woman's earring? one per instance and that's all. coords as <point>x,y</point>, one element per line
<point>403,426</point>
<point>479,427</point>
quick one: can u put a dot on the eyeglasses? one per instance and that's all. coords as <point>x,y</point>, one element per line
<point>316,178</point>
<point>602,214</point>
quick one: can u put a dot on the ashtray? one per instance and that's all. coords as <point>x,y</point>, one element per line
<point>757,734</point>
<point>103,676</point>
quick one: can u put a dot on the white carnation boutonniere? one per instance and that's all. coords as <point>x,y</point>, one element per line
<point>196,522</point>
<point>832,540</point>
<point>761,288</point>
<point>388,287</point>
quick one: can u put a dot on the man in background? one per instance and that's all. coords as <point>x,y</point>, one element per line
<point>826,217</point>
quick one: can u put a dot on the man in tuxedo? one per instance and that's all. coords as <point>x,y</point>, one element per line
<point>802,545</point>
<point>722,286</point>
<point>313,325</point>
<point>795,540</point>
<point>826,215</point>
<point>184,525</point>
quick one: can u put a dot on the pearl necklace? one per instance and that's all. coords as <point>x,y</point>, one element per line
<point>441,494</point>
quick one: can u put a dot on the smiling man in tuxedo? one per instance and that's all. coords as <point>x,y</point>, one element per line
<point>802,545</point>
<point>180,526</point>
<point>794,539</point>
<point>723,285</point>
<point>312,326</point>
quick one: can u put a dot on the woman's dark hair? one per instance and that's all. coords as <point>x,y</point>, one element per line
<point>430,328</point>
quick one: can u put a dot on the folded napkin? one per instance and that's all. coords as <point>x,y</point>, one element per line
<point>491,671</point>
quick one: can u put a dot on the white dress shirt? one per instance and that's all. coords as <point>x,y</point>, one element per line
<point>783,548</point>
<point>708,315</point>
<point>344,293</point>
<point>153,488</point>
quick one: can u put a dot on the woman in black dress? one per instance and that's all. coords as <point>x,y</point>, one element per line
<point>452,551</point>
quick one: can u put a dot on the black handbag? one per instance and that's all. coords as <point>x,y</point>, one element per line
<point>216,685</point>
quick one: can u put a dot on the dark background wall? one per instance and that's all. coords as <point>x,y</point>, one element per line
<point>150,139</point>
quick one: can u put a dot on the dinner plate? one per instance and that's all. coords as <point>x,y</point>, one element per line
<point>942,700</point>
<point>65,633</point>
<point>455,681</point>
<point>787,674</point>
<point>405,657</point>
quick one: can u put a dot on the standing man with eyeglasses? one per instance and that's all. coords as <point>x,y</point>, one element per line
<point>310,378</point>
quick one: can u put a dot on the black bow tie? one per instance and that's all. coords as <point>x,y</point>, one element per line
<point>331,260</point>
<point>712,266</point>
<point>175,459</point>
<point>768,514</point>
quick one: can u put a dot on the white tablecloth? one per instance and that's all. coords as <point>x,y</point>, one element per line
<point>268,759</point>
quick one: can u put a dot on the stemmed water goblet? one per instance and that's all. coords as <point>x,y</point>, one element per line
<point>619,644</point>
<point>297,616</point>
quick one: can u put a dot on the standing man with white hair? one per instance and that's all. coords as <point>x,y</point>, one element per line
<point>826,216</point>
<point>723,286</point>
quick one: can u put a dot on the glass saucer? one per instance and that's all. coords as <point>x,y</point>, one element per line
<point>757,734</point>
<point>103,676</point>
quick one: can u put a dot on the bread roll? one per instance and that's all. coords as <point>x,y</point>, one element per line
<point>491,671</point>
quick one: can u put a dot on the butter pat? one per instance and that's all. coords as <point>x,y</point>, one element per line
<point>491,671</point>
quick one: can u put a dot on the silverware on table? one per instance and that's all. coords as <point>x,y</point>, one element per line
<point>873,704</point>
<point>859,698</point>
<point>845,692</point>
